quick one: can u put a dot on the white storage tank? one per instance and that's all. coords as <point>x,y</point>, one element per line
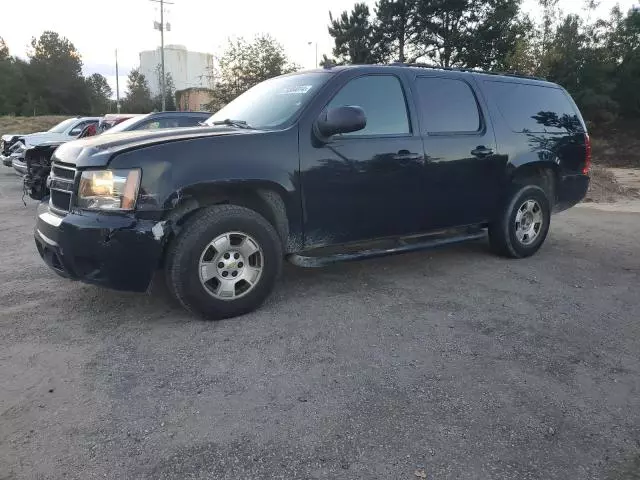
<point>188,69</point>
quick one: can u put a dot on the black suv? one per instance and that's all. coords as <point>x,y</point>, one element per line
<point>316,167</point>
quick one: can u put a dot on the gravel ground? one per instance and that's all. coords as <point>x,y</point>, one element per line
<point>448,364</point>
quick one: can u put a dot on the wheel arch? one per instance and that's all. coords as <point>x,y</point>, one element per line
<point>542,173</point>
<point>264,197</point>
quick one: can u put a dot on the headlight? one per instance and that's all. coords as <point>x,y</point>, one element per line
<point>108,189</point>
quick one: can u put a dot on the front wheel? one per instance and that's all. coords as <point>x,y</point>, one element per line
<point>225,262</point>
<point>523,224</point>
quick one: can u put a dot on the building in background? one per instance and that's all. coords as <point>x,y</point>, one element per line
<point>187,69</point>
<point>194,99</point>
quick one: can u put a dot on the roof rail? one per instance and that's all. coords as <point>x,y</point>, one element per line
<point>469,70</point>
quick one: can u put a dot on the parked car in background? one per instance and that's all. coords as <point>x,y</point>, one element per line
<point>16,153</point>
<point>66,130</point>
<point>329,165</point>
<point>6,142</point>
<point>35,162</point>
<point>112,119</point>
<point>160,120</point>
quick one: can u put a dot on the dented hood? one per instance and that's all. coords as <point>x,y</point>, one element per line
<point>97,151</point>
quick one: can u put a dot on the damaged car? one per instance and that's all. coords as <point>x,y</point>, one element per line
<point>35,162</point>
<point>6,142</point>
<point>16,157</point>
<point>335,164</point>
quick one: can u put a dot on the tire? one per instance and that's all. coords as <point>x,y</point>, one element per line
<point>192,258</point>
<point>506,233</point>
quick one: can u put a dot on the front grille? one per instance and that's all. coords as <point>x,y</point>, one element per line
<point>61,183</point>
<point>63,171</point>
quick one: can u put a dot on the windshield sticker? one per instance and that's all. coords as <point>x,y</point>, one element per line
<point>297,90</point>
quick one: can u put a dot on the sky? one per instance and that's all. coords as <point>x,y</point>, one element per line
<point>97,29</point>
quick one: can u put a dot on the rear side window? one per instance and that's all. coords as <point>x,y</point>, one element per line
<point>534,108</point>
<point>447,105</point>
<point>382,99</point>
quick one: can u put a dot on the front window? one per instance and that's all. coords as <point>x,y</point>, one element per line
<point>62,126</point>
<point>273,102</point>
<point>382,99</point>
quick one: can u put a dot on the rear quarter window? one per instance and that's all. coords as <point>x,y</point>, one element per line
<point>534,108</point>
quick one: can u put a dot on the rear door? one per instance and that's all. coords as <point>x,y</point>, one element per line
<point>463,170</point>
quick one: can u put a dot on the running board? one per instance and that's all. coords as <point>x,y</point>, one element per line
<point>438,241</point>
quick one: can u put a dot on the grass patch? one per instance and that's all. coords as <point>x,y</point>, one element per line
<point>24,125</point>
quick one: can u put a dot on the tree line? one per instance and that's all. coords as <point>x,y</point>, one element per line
<point>596,59</point>
<point>50,82</point>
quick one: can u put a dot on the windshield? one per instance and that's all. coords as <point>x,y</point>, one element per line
<point>62,126</point>
<point>273,102</point>
<point>126,125</point>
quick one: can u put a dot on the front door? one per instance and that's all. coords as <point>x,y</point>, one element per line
<point>365,184</point>
<point>463,169</point>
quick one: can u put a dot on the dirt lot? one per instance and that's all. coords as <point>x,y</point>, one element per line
<point>452,364</point>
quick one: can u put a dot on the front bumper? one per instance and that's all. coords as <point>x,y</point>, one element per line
<point>20,166</point>
<point>570,190</point>
<point>114,251</point>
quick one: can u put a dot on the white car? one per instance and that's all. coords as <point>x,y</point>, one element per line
<point>64,131</point>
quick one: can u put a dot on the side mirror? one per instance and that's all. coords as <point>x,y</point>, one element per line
<point>75,132</point>
<point>337,120</point>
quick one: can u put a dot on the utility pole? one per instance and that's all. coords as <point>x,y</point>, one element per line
<point>117,85</point>
<point>162,27</point>
<point>316,44</point>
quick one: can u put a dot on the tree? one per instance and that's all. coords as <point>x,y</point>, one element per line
<point>498,33</point>
<point>469,33</point>
<point>170,92</point>
<point>99,93</point>
<point>244,65</point>
<point>466,33</point>
<point>356,38</point>
<point>138,97</point>
<point>8,81</point>
<point>327,62</point>
<point>624,45</point>
<point>4,50</point>
<point>396,28</point>
<point>54,75</point>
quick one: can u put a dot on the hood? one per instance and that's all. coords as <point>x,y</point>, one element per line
<point>97,151</point>
<point>10,136</point>
<point>38,137</point>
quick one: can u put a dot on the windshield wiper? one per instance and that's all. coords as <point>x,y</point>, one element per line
<point>233,123</point>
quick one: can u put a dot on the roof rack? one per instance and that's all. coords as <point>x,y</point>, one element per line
<point>469,70</point>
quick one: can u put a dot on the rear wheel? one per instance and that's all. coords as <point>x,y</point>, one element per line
<point>523,224</point>
<point>225,262</point>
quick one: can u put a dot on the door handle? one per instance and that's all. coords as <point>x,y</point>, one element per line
<point>481,151</point>
<point>406,155</point>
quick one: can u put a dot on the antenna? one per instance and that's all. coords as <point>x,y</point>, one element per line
<point>117,85</point>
